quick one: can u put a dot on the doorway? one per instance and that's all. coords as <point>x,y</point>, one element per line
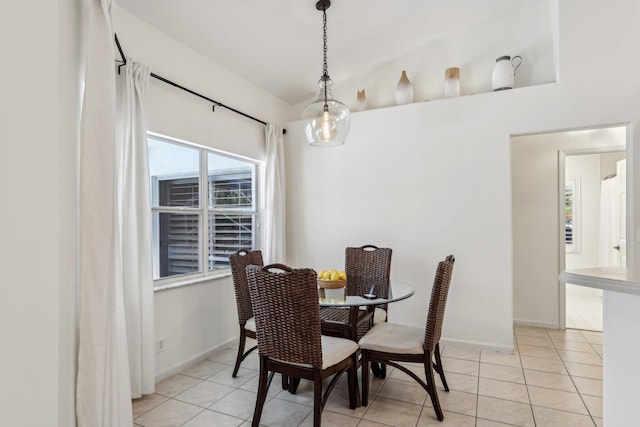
<point>594,227</point>
<point>538,217</point>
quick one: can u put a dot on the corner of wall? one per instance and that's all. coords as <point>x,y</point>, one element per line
<point>554,10</point>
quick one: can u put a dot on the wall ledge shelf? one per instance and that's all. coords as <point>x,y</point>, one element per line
<point>500,93</point>
<point>617,279</point>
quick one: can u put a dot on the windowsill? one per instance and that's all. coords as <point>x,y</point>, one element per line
<point>192,281</point>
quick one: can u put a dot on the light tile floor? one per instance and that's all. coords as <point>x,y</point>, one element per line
<point>554,378</point>
<point>584,312</point>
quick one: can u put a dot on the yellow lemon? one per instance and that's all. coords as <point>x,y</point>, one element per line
<point>342,275</point>
<point>335,275</point>
<point>326,275</point>
<point>321,274</point>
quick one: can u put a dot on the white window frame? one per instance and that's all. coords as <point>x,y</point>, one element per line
<point>203,211</point>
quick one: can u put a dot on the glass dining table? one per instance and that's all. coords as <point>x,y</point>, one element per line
<point>397,292</point>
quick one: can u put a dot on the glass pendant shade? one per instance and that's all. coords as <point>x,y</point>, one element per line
<point>326,121</point>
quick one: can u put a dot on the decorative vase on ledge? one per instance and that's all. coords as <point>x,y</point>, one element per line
<point>504,72</point>
<point>452,82</point>
<point>361,100</point>
<point>404,90</point>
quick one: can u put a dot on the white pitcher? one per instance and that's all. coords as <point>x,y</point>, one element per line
<point>504,72</point>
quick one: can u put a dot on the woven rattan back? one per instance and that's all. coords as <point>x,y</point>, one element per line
<point>368,267</point>
<point>438,302</point>
<point>239,262</point>
<point>285,305</point>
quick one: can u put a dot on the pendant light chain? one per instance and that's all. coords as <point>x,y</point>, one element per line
<point>324,39</point>
<point>325,75</point>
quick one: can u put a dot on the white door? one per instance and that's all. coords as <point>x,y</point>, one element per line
<point>621,172</point>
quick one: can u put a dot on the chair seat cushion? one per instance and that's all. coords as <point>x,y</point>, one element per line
<point>394,338</point>
<point>379,315</point>
<point>334,350</point>
<point>251,324</point>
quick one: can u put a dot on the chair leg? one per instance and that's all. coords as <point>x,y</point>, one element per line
<point>365,378</point>
<point>379,370</point>
<point>439,367</point>
<point>241,344</point>
<point>317,400</point>
<point>431,387</point>
<point>285,381</point>
<point>352,381</point>
<point>262,392</point>
<point>383,370</point>
<point>293,385</point>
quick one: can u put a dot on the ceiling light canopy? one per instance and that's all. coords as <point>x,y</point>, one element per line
<point>326,121</point>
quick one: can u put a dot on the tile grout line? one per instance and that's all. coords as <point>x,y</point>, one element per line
<point>525,379</point>
<point>478,388</point>
<point>203,409</point>
<point>601,358</point>
<point>572,380</point>
<point>592,347</point>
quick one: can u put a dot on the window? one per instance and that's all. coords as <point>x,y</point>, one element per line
<point>571,213</point>
<point>195,230</point>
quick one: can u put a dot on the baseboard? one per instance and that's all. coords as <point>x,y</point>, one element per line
<point>192,361</point>
<point>479,345</point>
<point>534,323</point>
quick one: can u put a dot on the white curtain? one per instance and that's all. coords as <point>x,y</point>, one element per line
<point>274,229</point>
<point>103,395</point>
<point>609,222</point>
<point>134,234</point>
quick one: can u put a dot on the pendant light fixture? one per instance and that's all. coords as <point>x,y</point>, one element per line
<point>326,121</point>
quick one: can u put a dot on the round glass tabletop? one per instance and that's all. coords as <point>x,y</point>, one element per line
<point>397,291</point>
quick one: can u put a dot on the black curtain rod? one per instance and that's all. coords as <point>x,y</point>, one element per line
<point>123,62</point>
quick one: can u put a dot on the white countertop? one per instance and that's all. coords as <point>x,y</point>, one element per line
<point>617,279</point>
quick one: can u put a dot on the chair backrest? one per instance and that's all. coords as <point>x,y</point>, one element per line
<point>239,262</point>
<point>365,267</point>
<point>285,305</point>
<point>438,302</point>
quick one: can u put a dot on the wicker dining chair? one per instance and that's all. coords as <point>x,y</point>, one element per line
<point>393,344</point>
<point>285,305</point>
<point>239,261</point>
<point>368,269</point>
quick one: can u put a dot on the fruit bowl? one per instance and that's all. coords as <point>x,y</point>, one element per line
<point>331,284</point>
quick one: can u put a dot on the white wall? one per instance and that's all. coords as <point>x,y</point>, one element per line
<point>609,163</point>
<point>196,319</point>
<point>39,119</point>
<point>434,178</point>
<point>408,179</point>
<point>71,68</point>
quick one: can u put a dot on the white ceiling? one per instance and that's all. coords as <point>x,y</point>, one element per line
<point>277,44</point>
